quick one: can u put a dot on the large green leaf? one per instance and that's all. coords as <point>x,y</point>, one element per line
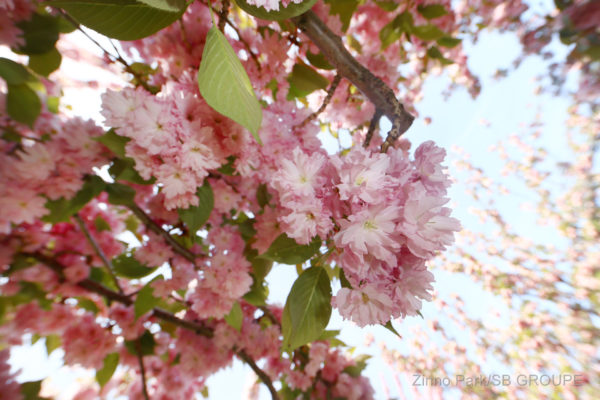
<point>432,11</point>
<point>62,209</point>
<point>224,84</point>
<point>14,73</point>
<point>118,19</point>
<point>166,5</point>
<point>145,301</point>
<point>427,32</point>
<point>128,267</point>
<point>285,250</point>
<point>40,33</point>
<point>307,309</point>
<point>104,374</point>
<point>304,80</point>
<point>196,216</point>
<point>235,318</point>
<point>45,63</point>
<point>292,10</point>
<point>344,9</point>
<point>23,104</point>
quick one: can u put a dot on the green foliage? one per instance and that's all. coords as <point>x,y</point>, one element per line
<point>14,73</point>
<point>304,80</point>
<point>427,32</point>
<point>144,345</point>
<point>23,104</point>
<point>119,19</point>
<point>235,318</point>
<point>127,266</point>
<point>40,34</point>
<point>448,42</point>
<point>436,54</point>
<point>360,364</point>
<point>432,11</point>
<point>87,305</point>
<point>262,195</point>
<point>292,10</point>
<point>119,194</point>
<point>195,217</point>
<point>114,142</point>
<point>285,250</point>
<point>166,5</point>
<point>145,301</point>
<point>318,60</point>
<point>103,375</point>
<point>62,209</point>
<point>307,308</point>
<point>388,325</point>
<point>31,390</point>
<point>52,342</point>
<point>343,9</point>
<point>402,23</point>
<point>225,86</point>
<point>123,169</point>
<point>46,63</point>
<point>387,5</point>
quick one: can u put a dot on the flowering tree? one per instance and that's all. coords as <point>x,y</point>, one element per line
<point>145,243</point>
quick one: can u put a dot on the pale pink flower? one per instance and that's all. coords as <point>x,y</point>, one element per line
<point>176,181</point>
<point>371,231</point>
<point>362,175</point>
<point>308,218</point>
<point>428,158</point>
<point>413,286</point>
<point>299,175</point>
<point>35,162</point>
<point>365,306</point>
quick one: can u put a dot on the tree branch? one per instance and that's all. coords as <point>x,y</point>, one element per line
<point>334,84</point>
<point>107,263</point>
<point>138,351</point>
<point>154,227</point>
<point>197,328</point>
<point>372,87</point>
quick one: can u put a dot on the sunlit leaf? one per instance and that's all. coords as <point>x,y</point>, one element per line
<point>286,250</point>
<point>307,308</point>
<point>166,5</point>
<point>118,19</point>
<point>127,266</point>
<point>195,217</point>
<point>104,374</point>
<point>235,317</point>
<point>225,86</point>
<point>432,11</point>
<point>45,63</point>
<point>304,80</point>
<point>23,104</point>
<point>292,10</point>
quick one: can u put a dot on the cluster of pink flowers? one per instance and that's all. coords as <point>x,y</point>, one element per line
<point>389,220</point>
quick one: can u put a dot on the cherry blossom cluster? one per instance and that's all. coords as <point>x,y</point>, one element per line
<point>389,218</point>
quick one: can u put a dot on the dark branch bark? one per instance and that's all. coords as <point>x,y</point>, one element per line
<point>154,227</point>
<point>371,86</point>
<point>107,263</point>
<point>199,329</point>
<point>334,84</point>
<point>138,350</point>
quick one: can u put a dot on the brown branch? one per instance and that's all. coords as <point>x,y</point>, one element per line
<point>371,86</point>
<point>259,372</point>
<point>197,328</point>
<point>334,84</point>
<point>372,126</point>
<point>154,227</point>
<point>138,351</point>
<point>107,263</point>
<point>223,14</point>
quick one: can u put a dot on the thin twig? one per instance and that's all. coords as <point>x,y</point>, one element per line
<point>223,14</point>
<point>372,126</point>
<point>371,86</point>
<point>259,372</point>
<point>199,329</point>
<point>107,263</point>
<point>334,84</point>
<point>154,227</point>
<point>138,350</point>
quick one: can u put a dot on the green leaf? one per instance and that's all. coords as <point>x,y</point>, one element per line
<point>118,19</point>
<point>343,9</point>
<point>319,60</point>
<point>307,308</point>
<point>52,343</point>
<point>14,73</point>
<point>387,5</point>
<point>343,280</point>
<point>52,102</point>
<point>23,104</point>
<point>101,224</point>
<point>448,42</point>
<point>144,343</point>
<point>427,32</point>
<point>122,169</point>
<point>127,266</point>
<point>262,195</point>
<point>304,80</point>
<point>87,305</point>
<point>258,293</point>
<point>40,34</point>
<point>235,318</point>
<point>31,390</point>
<point>360,363</point>
<point>195,217</point>
<point>285,250</point>
<point>435,53</point>
<point>145,301</point>
<point>104,374</point>
<point>403,23</point>
<point>388,325</point>
<point>225,86</point>
<point>120,194</point>
<point>46,63</point>
<point>166,5</point>
<point>292,10</point>
<point>62,209</point>
<point>432,11</point>
<point>114,142</point>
